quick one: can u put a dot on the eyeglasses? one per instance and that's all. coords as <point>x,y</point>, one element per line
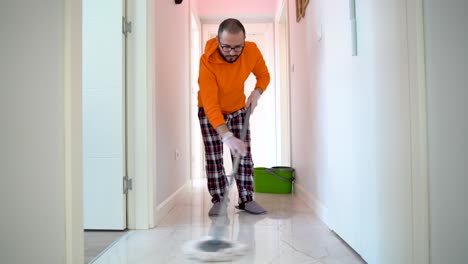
<point>227,48</point>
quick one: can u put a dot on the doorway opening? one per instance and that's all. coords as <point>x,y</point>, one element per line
<point>270,121</point>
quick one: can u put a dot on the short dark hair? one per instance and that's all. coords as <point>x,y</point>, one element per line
<point>231,25</point>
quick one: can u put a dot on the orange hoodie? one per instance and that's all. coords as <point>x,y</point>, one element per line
<point>222,83</point>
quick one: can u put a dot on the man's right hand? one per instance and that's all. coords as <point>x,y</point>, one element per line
<point>236,145</point>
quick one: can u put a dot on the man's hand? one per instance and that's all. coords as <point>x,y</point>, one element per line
<point>236,145</point>
<point>252,101</point>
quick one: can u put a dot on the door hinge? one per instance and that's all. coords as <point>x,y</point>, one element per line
<point>127,184</point>
<point>126,26</point>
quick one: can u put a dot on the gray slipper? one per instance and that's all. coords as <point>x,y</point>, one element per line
<point>216,209</point>
<point>251,207</point>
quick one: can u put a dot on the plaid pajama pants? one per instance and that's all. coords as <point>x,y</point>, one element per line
<point>215,173</point>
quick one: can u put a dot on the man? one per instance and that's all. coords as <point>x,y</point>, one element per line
<point>227,62</point>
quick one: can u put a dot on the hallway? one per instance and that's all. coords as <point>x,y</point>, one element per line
<point>378,140</point>
<point>288,233</point>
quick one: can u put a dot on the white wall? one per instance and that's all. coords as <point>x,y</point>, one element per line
<point>171,97</point>
<point>40,95</point>
<point>446,60</point>
<point>307,107</point>
<point>351,129</point>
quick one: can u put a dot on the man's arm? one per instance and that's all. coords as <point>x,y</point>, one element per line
<point>236,145</point>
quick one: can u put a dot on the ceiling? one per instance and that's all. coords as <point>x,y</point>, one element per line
<point>241,9</point>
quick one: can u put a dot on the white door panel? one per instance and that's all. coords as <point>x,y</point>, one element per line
<point>103,115</point>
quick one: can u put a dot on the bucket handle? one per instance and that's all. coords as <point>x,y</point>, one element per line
<point>279,177</point>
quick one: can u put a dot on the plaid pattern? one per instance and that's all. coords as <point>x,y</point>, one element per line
<point>215,173</point>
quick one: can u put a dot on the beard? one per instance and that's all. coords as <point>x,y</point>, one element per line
<point>230,58</point>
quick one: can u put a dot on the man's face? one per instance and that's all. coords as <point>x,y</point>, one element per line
<point>231,45</point>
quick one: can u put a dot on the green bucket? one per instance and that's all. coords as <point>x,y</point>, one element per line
<point>273,180</point>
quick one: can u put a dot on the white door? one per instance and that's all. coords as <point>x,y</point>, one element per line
<point>103,115</point>
<point>263,120</point>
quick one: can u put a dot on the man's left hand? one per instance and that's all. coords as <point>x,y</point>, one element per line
<point>252,101</point>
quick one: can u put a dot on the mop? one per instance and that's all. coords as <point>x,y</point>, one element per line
<point>214,248</point>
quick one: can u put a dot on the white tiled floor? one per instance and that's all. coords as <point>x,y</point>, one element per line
<point>288,233</point>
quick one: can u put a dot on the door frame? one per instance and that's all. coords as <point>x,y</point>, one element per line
<point>141,134</point>
<point>283,84</point>
<point>196,146</point>
<point>419,149</point>
<point>74,240</point>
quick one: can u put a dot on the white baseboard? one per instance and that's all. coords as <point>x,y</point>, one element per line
<point>311,200</point>
<point>163,209</point>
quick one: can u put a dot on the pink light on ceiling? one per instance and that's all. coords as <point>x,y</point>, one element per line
<point>237,8</point>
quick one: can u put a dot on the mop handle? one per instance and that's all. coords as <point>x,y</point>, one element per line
<point>242,138</point>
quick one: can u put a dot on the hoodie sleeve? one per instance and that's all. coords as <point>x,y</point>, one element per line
<point>209,94</point>
<point>260,71</point>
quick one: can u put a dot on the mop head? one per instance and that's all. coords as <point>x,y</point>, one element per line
<point>214,250</point>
